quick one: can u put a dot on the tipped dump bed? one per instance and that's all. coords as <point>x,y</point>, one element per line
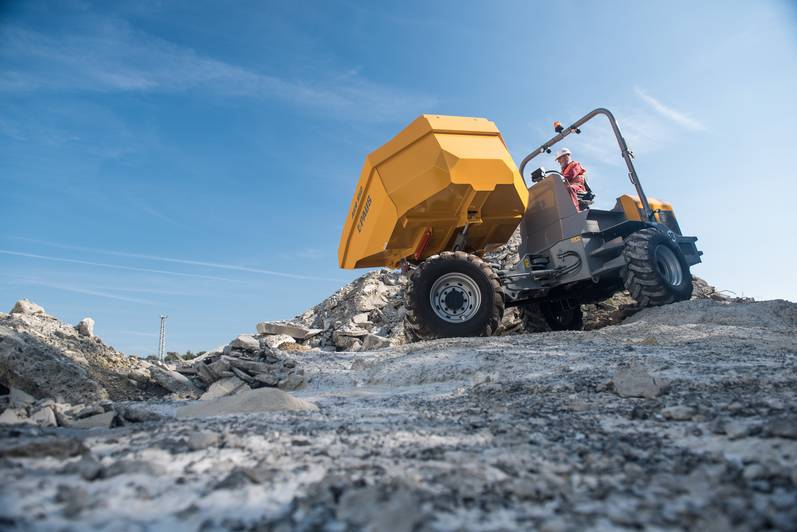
<point>417,192</point>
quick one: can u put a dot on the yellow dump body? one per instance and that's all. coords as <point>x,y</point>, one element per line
<point>417,192</point>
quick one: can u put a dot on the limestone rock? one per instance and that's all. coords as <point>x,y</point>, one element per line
<point>13,416</point>
<point>635,381</point>
<point>171,380</point>
<point>274,341</point>
<point>44,417</point>
<point>20,399</point>
<point>86,327</point>
<point>98,421</point>
<point>295,331</point>
<point>259,400</point>
<point>224,387</point>
<point>678,413</point>
<point>373,342</point>
<point>23,306</point>
<point>246,342</point>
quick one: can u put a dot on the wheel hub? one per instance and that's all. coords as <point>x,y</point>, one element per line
<point>455,297</point>
<point>668,265</point>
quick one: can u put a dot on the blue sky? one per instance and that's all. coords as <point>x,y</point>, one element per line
<point>196,159</point>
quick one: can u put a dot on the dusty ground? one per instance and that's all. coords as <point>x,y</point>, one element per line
<point>516,432</point>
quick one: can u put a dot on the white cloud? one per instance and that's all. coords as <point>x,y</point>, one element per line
<point>678,117</point>
<point>215,265</point>
<point>114,57</point>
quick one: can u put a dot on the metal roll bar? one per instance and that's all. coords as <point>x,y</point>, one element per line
<point>624,151</point>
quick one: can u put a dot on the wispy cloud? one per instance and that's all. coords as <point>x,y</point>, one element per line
<point>113,266</point>
<point>678,117</point>
<point>217,265</point>
<point>115,57</point>
<point>84,290</point>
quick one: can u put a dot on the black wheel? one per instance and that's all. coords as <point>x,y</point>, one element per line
<point>453,294</point>
<point>533,318</point>
<point>562,317</point>
<point>656,272</point>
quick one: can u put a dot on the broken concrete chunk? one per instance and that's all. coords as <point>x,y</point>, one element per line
<point>224,387</point>
<point>171,380</point>
<point>86,327</point>
<point>247,342</point>
<point>99,421</point>
<point>20,399</point>
<point>259,400</point>
<point>13,416</point>
<point>635,381</point>
<point>24,306</point>
<point>44,417</point>
<point>202,439</point>
<point>273,341</point>
<point>678,413</point>
<point>373,342</point>
<point>296,331</point>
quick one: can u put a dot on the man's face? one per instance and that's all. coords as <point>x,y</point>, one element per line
<point>563,160</point>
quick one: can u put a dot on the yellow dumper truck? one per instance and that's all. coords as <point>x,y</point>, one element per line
<point>445,190</point>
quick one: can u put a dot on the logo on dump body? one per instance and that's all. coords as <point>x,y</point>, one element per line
<point>364,214</point>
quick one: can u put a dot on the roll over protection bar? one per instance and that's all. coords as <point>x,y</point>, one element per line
<point>624,151</point>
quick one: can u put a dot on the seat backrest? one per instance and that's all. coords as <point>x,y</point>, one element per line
<point>550,216</point>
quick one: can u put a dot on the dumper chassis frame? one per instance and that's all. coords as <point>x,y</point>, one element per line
<point>648,256</point>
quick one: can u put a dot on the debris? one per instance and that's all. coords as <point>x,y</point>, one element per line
<point>13,416</point>
<point>293,330</point>
<point>274,341</point>
<point>260,400</point>
<point>172,380</point>
<point>202,439</point>
<point>58,447</point>
<point>98,421</point>
<point>44,417</point>
<point>223,387</point>
<point>635,381</point>
<point>373,342</point>
<point>48,358</point>
<point>245,342</point>
<point>678,413</point>
<point>86,327</point>
<point>23,306</point>
<point>20,399</point>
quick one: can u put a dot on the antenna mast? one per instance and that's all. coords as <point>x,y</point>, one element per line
<point>162,340</point>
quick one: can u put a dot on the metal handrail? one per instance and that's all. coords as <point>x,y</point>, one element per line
<point>625,152</point>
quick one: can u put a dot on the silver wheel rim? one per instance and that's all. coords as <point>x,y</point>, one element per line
<point>455,297</point>
<point>668,265</point>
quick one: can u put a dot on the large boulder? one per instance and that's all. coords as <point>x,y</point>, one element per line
<point>86,327</point>
<point>23,306</point>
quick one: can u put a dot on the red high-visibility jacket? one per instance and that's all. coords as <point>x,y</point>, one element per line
<point>574,176</point>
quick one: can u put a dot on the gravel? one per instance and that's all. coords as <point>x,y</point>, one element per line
<point>524,431</point>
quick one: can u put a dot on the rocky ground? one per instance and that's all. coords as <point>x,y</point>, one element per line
<point>681,417</point>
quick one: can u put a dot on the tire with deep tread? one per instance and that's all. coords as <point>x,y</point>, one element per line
<point>533,319</point>
<point>560,319</point>
<point>641,276</point>
<point>421,322</point>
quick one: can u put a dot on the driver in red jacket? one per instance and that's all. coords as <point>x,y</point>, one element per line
<point>574,175</point>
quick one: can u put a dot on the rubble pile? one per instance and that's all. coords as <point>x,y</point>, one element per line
<point>366,314</point>
<point>50,359</point>
<point>246,363</point>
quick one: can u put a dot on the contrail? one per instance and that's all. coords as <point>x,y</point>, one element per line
<point>97,293</point>
<point>217,265</point>
<point>115,266</point>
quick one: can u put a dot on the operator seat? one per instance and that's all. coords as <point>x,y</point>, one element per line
<point>550,216</point>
